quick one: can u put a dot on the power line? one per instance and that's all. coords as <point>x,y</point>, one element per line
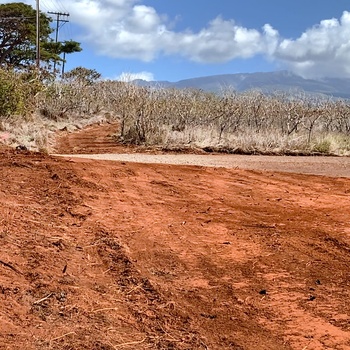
<point>58,21</point>
<point>59,3</point>
<point>50,5</point>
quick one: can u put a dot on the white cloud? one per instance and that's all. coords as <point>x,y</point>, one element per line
<point>323,50</point>
<point>128,77</point>
<point>129,29</point>
<point>220,42</point>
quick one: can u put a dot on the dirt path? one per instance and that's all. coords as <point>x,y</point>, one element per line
<point>97,142</point>
<point>328,166</point>
<point>120,255</point>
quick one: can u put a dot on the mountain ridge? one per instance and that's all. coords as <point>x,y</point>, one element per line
<point>267,82</point>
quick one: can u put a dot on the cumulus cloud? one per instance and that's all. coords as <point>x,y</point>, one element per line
<point>323,50</point>
<point>128,77</point>
<point>130,29</point>
<point>219,42</point>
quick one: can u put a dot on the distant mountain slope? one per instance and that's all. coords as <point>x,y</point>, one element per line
<point>266,82</point>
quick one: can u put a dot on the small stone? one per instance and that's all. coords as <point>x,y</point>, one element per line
<point>21,148</point>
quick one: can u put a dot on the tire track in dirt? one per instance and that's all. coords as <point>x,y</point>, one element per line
<point>157,256</point>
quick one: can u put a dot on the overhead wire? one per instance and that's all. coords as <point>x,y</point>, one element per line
<point>53,6</point>
<point>45,7</point>
<point>64,31</point>
<point>59,2</point>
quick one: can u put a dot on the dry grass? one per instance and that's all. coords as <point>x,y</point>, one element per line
<point>248,123</point>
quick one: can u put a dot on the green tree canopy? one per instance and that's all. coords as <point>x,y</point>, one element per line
<point>67,47</point>
<point>18,37</point>
<point>70,46</point>
<point>18,34</point>
<point>82,75</point>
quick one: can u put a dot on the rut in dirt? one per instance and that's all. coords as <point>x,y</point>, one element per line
<point>105,255</point>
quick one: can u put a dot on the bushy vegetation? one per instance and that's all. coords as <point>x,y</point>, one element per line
<point>168,118</point>
<point>18,38</point>
<point>18,92</point>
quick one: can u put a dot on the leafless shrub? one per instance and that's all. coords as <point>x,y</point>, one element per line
<point>250,122</point>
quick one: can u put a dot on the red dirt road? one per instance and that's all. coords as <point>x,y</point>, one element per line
<point>115,255</point>
<point>98,142</point>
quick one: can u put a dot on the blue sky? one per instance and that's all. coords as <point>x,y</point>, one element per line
<point>179,39</point>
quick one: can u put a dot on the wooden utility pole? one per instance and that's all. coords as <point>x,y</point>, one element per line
<point>58,21</point>
<point>37,34</point>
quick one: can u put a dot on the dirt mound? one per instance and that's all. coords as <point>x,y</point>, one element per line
<point>113,255</point>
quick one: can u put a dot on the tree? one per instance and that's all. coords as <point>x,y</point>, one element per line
<point>18,36</point>
<point>67,47</point>
<point>83,76</point>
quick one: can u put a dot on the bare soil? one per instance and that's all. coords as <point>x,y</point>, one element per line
<point>99,142</point>
<point>117,255</point>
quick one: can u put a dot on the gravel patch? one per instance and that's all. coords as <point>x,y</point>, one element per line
<point>328,166</point>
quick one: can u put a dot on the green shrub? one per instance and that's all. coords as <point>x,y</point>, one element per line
<point>18,92</point>
<point>323,146</point>
<point>8,94</point>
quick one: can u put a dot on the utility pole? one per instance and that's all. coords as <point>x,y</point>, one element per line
<point>58,21</point>
<point>37,35</point>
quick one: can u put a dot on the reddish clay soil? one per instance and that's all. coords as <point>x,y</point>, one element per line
<point>101,138</point>
<point>115,255</point>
